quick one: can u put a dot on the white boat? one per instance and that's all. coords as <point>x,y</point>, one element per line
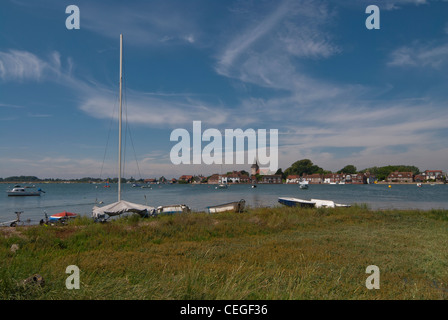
<point>295,202</point>
<point>313,203</point>
<point>303,186</point>
<point>173,209</point>
<point>222,186</point>
<point>236,206</point>
<point>121,206</point>
<point>18,191</point>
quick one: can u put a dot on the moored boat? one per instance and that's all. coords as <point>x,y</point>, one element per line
<point>236,206</point>
<point>20,191</point>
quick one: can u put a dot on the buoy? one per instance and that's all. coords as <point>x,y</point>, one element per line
<point>390,186</point>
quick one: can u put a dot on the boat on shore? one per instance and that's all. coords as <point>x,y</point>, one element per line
<point>173,209</point>
<point>18,191</point>
<point>120,207</point>
<point>62,216</point>
<point>313,203</point>
<point>236,206</point>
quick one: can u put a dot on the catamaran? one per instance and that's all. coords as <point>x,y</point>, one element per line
<point>121,206</point>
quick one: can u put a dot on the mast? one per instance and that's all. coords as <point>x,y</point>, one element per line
<point>119,119</point>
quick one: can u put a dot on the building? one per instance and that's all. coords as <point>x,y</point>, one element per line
<point>333,178</point>
<point>186,179</point>
<point>214,179</point>
<point>198,179</point>
<point>401,177</point>
<point>275,178</point>
<point>359,178</point>
<point>293,179</point>
<point>254,169</point>
<point>314,178</point>
<point>433,175</point>
<point>419,178</point>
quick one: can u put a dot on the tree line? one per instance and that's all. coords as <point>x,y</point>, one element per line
<point>306,166</point>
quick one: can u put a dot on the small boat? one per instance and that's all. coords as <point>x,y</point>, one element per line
<point>62,216</point>
<point>294,202</point>
<point>19,191</point>
<point>222,186</point>
<point>173,209</point>
<point>303,186</point>
<point>254,186</point>
<point>419,185</point>
<point>313,203</point>
<point>237,206</point>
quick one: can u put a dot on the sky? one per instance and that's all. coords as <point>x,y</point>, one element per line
<point>337,92</point>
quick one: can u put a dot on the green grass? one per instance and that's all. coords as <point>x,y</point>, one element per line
<point>268,253</point>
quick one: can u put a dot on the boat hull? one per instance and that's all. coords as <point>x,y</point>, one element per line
<point>23,194</point>
<point>173,209</point>
<point>313,203</point>
<point>237,206</point>
<point>62,216</point>
<point>294,202</point>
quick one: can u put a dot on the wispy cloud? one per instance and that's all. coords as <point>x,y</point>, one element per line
<point>143,23</point>
<point>19,65</point>
<point>420,55</point>
<point>293,29</point>
<point>144,109</point>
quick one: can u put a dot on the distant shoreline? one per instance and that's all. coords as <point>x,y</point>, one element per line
<point>259,183</point>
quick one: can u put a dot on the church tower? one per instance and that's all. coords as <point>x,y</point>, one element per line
<point>254,169</point>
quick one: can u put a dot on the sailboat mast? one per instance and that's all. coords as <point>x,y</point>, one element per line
<point>119,119</point>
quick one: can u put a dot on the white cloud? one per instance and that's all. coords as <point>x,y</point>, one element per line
<point>143,23</point>
<point>291,30</point>
<point>21,65</point>
<point>420,55</point>
<point>145,109</point>
<point>18,65</point>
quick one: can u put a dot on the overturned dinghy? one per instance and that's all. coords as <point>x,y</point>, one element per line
<point>120,207</point>
<point>313,203</point>
<point>173,209</point>
<point>236,206</point>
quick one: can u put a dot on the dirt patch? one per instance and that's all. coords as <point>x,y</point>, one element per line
<point>8,232</point>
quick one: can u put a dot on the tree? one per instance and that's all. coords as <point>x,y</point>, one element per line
<point>348,169</point>
<point>304,166</point>
<point>280,172</point>
<point>381,173</point>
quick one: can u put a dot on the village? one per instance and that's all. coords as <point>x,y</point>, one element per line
<point>254,177</point>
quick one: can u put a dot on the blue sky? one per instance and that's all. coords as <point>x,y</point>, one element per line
<point>337,92</point>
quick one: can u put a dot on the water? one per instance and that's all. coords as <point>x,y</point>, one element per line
<point>80,198</point>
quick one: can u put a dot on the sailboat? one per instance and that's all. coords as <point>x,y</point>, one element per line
<point>121,206</point>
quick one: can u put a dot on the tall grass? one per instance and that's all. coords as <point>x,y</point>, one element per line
<point>266,253</point>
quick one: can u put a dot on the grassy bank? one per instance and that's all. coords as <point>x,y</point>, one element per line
<point>269,253</point>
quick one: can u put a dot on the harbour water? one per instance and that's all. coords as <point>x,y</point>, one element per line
<point>80,198</point>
